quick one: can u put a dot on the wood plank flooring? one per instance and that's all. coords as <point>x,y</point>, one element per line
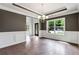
<point>36,46</point>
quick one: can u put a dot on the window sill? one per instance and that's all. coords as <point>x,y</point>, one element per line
<point>56,33</point>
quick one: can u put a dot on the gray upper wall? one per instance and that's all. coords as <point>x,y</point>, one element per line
<point>78,22</point>
<point>11,21</point>
<point>71,22</point>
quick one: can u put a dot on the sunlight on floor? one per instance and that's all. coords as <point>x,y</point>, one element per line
<point>28,40</point>
<point>60,49</point>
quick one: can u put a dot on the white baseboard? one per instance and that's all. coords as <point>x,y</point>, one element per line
<point>11,44</point>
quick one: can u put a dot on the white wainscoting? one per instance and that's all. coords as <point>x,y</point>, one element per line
<point>11,38</point>
<point>69,36</point>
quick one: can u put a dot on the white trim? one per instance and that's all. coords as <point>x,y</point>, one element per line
<point>12,38</point>
<point>69,36</point>
<point>9,9</point>
<point>27,13</point>
<point>63,14</point>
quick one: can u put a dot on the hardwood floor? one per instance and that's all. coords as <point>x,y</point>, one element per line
<point>36,46</point>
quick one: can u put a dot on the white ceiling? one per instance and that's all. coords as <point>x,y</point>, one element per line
<point>42,8</point>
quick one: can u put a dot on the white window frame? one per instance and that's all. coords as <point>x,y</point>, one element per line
<point>55,26</point>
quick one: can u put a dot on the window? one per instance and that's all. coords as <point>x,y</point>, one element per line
<point>56,26</point>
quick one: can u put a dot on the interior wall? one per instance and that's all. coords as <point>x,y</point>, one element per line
<point>71,22</point>
<point>11,21</point>
<point>71,33</point>
<point>78,22</point>
<point>30,23</point>
<point>15,28</point>
<point>12,28</point>
<point>78,29</point>
<point>42,25</point>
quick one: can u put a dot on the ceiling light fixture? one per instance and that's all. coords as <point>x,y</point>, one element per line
<point>43,17</point>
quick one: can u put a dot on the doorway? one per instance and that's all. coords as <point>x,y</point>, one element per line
<point>36,29</point>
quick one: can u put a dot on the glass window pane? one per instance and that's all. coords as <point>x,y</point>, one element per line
<point>51,26</point>
<point>59,25</point>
